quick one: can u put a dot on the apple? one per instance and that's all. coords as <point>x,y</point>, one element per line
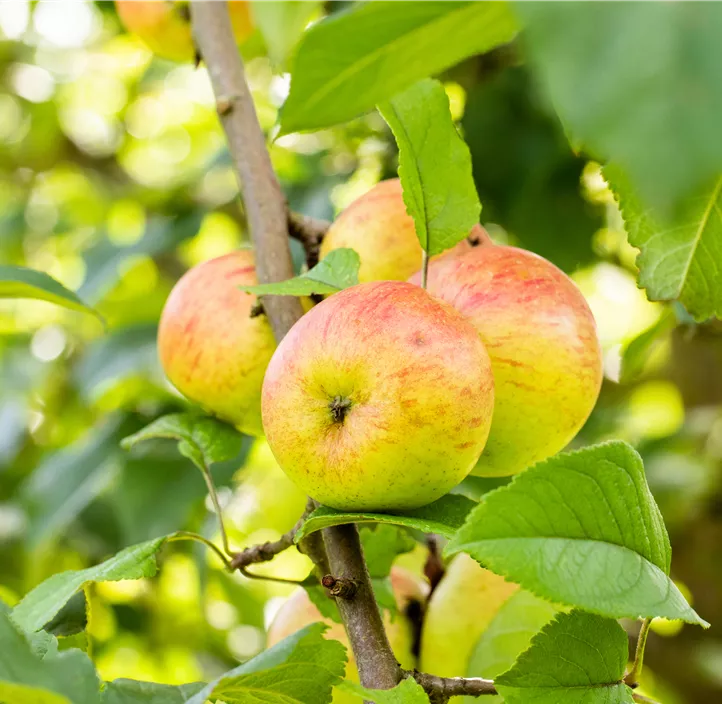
<point>383,234</point>
<point>542,340</point>
<point>299,611</point>
<point>164,25</point>
<point>212,346</point>
<point>380,398</point>
<point>460,609</point>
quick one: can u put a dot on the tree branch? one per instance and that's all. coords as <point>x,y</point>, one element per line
<point>440,689</point>
<point>268,223</point>
<point>309,232</point>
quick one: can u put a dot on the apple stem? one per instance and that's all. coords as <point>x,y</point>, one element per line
<point>425,270</point>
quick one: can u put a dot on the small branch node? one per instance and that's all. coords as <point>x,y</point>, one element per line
<point>257,309</point>
<point>224,104</point>
<point>340,587</point>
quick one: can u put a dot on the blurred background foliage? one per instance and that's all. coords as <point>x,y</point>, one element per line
<point>114,179</point>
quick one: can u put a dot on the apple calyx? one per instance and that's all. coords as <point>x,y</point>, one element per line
<point>339,408</point>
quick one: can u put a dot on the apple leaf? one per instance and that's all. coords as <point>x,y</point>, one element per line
<point>21,282</point>
<point>580,529</point>
<point>124,691</point>
<point>301,669</point>
<point>355,59</point>
<point>409,691</point>
<point>578,657</point>
<point>444,517</point>
<point>335,272</point>
<point>510,632</point>
<point>382,544</point>
<point>46,677</point>
<point>637,352</point>
<point>281,24</point>
<point>40,605</point>
<point>611,99</point>
<point>434,166</point>
<point>679,259</point>
<point>202,439</point>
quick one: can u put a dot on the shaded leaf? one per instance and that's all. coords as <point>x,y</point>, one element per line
<point>444,517</point>
<point>382,544</point>
<point>637,352</point>
<point>202,439</point>
<point>21,282</point>
<point>301,669</point>
<point>680,258</point>
<point>577,658</point>
<point>43,603</point>
<point>355,59</point>
<point>335,272</point>
<point>642,89</point>
<point>133,692</point>
<point>281,24</point>
<point>581,529</point>
<point>434,166</point>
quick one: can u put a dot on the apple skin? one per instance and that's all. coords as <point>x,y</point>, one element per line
<point>460,609</point>
<point>542,340</point>
<point>164,27</point>
<point>379,229</point>
<point>416,396</point>
<point>299,611</point>
<point>211,348</point>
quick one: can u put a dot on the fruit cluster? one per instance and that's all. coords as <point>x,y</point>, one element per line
<point>384,396</point>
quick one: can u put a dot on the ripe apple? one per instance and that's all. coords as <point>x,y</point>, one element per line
<point>379,398</point>
<point>378,227</point>
<point>213,348</point>
<point>542,340</point>
<point>299,611</point>
<point>164,25</point>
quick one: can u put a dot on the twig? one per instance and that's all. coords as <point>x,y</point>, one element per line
<point>188,535</point>
<point>631,679</point>
<point>309,232</point>
<point>440,689</point>
<point>206,472</point>
<point>641,698</point>
<point>267,551</point>
<point>268,224</point>
<point>425,269</point>
<point>268,577</point>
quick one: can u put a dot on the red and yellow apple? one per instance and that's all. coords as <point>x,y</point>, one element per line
<point>299,611</point>
<point>213,347</point>
<point>379,398</point>
<point>542,341</point>
<point>379,229</point>
<point>164,25</point>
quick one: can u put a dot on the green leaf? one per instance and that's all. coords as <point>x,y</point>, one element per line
<point>382,544</point>
<point>577,658</point>
<point>133,692</point>
<point>510,632</point>
<point>660,125</point>
<point>407,692</point>
<point>45,676</point>
<point>355,59</point>
<point>336,271</point>
<point>20,282</point>
<point>301,669</point>
<point>39,606</point>
<point>434,166</point>
<point>281,24</point>
<point>202,439</point>
<point>581,529</point>
<point>320,598</point>
<point>637,352</point>
<point>444,517</point>
<point>680,257</point>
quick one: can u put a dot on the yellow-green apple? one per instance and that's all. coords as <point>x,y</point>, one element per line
<point>213,346</point>
<point>299,611</point>
<point>164,25</point>
<point>542,340</point>
<point>378,227</point>
<point>379,398</point>
<point>460,609</point>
